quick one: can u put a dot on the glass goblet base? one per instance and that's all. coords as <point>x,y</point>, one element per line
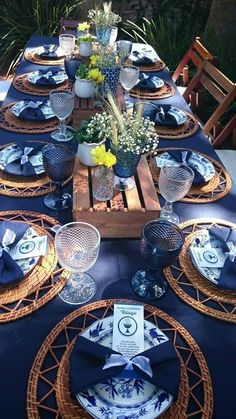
<point>67,135</point>
<point>169,216</point>
<point>78,290</point>
<point>150,289</point>
<point>124,184</point>
<point>58,202</point>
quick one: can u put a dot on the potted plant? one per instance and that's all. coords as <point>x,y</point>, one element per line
<point>91,133</point>
<point>103,19</point>
<point>108,62</point>
<point>85,79</point>
<point>84,43</point>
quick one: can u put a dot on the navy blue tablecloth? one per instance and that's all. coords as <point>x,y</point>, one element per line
<point>118,259</point>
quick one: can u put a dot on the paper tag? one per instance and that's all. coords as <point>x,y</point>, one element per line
<point>128,329</point>
<point>38,246</point>
<point>208,257</point>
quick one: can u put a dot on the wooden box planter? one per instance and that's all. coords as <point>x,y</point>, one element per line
<point>126,213</point>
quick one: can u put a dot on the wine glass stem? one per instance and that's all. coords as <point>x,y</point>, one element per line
<point>167,208</point>
<point>58,190</point>
<point>62,127</point>
<point>76,279</point>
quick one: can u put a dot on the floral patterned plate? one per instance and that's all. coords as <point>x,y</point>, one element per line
<point>124,398</point>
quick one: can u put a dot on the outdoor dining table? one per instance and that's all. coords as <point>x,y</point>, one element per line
<point>21,339</point>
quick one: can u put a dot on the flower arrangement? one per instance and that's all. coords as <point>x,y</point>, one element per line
<point>131,132</point>
<point>86,38</point>
<point>94,129</point>
<point>83,27</point>
<point>105,17</point>
<point>102,157</point>
<point>86,73</point>
<point>105,56</point>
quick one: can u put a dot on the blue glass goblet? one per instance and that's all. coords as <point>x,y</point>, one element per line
<point>161,244</point>
<point>123,49</point>
<point>58,162</point>
<point>71,66</point>
<point>126,164</point>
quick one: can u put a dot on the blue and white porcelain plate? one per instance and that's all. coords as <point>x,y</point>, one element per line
<point>124,398</point>
<point>204,240</point>
<point>18,107</point>
<point>59,77</point>
<point>201,163</point>
<point>27,264</point>
<point>13,152</point>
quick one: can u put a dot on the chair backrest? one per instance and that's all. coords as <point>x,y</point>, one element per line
<point>68,26</point>
<point>223,90</point>
<point>196,55</point>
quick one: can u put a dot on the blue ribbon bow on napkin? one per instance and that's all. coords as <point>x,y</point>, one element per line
<point>182,156</point>
<point>141,59</point>
<point>32,111</point>
<point>227,236</point>
<point>10,233</point>
<point>92,363</point>
<point>22,166</point>
<point>50,51</point>
<point>168,116</point>
<point>148,82</point>
<point>46,76</point>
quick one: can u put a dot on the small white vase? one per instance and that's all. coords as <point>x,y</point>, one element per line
<point>85,49</point>
<point>84,153</point>
<point>83,88</point>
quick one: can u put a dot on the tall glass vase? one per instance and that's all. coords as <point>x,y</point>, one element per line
<point>126,164</point>
<point>103,34</point>
<point>103,183</point>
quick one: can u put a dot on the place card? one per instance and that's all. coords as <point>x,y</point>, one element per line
<point>37,246</point>
<point>208,257</point>
<point>128,329</point>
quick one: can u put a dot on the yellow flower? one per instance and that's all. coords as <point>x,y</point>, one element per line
<point>96,75</point>
<point>93,60</point>
<point>83,26</point>
<point>103,157</point>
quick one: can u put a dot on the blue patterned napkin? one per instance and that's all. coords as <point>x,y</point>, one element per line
<point>50,51</point>
<point>22,166</point>
<point>227,236</point>
<point>182,156</point>
<point>10,233</point>
<point>141,59</point>
<point>32,111</point>
<point>92,363</point>
<point>169,116</point>
<point>149,82</point>
<point>46,77</point>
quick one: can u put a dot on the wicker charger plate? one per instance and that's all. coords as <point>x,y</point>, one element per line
<point>10,122</point>
<point>183,131</point>
<point>158,65</point>
<point>33,57</point>
<point>192,287</point>
<point>50,367</point>
<point>24,187</point>
<point>22,84</point>
<point>213,190</point>
<point>166,91</point>
<point>42,283</point>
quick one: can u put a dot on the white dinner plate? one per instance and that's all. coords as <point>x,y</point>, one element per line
<point>118,398</point>
<point>202,164</point>
<point>46,108</point>
<point>59,77</point>
<point>13,152</point>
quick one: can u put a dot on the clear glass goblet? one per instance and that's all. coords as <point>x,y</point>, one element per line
<point>161,244</point>
<point>67,43</point>
<point>174,183</point>
<point>58,162</point>
<point>77,245</point>
<point>62,104</point>
<point>129,75</point>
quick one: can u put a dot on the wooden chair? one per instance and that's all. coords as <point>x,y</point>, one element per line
<point>210,79</point>
<point>68,26</point>
<point>195,55</point>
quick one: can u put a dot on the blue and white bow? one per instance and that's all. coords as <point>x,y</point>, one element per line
<point>142,362</point>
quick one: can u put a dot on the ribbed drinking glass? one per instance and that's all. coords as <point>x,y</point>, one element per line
<point>62,104</point>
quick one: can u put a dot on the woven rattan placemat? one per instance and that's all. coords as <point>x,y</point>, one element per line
<point>166,91</point>
<point>42,283</point>
<point>10,122</point>
<point>25,187</point>
<point>52,361</point>
<point>192,287</point>
<point>213,190</point>
<point>158,65</point>
<point>22,84</point>
<point>183,131</point>
<point>33,57</point>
